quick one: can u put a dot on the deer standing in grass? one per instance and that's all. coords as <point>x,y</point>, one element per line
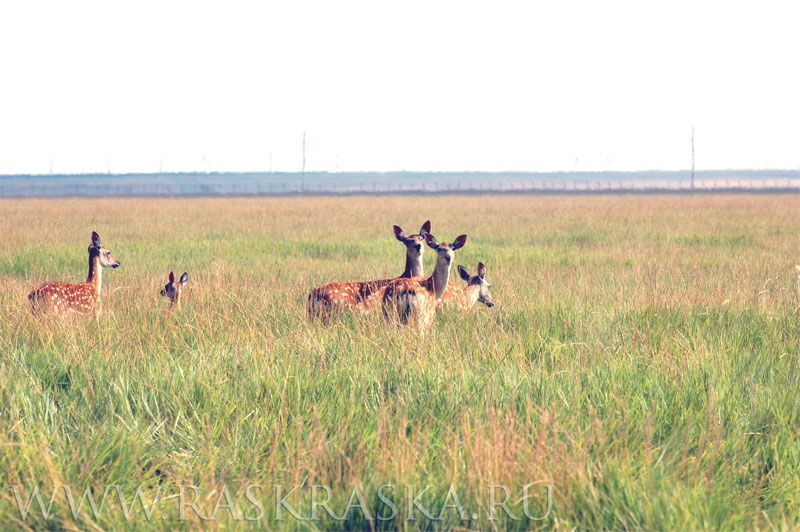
<point>415,300</point>
<point>477,289</point>
<point>79,298</point>
<point>332,297</point>
<point>172,291</point>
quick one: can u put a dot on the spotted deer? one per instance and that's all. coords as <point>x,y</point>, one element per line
<point>415,300</point>
<point>78,298</point>
<point>332,297</point>
<point>477,289</point>
<point>172,290</point>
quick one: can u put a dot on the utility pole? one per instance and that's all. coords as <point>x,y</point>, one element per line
<point>303,169</point>
<point>692,157</point>
<point>270,162</point>
<point>108,164</point>
<point>51,166</point>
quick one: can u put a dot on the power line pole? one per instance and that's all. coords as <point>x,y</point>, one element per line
<point>303,169</point>
<point>692,157</point>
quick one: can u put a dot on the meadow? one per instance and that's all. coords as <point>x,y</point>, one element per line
<point>640,368</point>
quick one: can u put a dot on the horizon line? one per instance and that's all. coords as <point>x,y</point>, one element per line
<point>389,172</point>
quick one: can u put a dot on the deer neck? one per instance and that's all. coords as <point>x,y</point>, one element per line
<point>413,266</point>
<point>440,278</point>
<point>176,305</point>
<point>95,276</point>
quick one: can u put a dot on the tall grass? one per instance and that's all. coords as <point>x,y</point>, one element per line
<point>642,360</point>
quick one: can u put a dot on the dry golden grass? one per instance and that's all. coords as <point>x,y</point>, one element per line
<point>642,358</point>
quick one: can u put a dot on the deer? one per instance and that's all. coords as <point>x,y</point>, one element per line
<point>333,297</point>
<point>407,301</point>
<point>477,289</point>
<point>78,298</point>
<point>172,291</point>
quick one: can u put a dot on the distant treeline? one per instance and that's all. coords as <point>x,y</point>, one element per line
<point>282,183</point>
<point>369,177</point>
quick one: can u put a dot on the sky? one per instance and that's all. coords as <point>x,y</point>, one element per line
<point>428,86</point>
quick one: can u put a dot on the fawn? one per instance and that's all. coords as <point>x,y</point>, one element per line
<point>477,289</point>
<point>337,296</point>
<point>415,300</point>
<point>172,290</point>
<point>80,298</point>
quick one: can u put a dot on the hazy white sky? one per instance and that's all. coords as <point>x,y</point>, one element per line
<point>427,85</point>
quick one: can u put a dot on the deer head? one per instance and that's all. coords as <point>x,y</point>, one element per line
<point>413,243</point>
<point>172,290</point>
<point>414,249</point>
<point>104,255</point>
<point>480,283</point>
<point>445,253</point>
<point>444,250</point>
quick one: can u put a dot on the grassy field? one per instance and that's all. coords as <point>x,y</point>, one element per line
<point>642,365</point>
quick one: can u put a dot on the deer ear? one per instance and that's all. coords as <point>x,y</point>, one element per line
<point>426,228</point>
<point>96,240</point>
<point>459,242</point>
<point>171,277</point>
<point>431,240</point>
<point>481,270</point>
<point>398,233</point>
<point>462,271</point>
<point>184,278</point>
